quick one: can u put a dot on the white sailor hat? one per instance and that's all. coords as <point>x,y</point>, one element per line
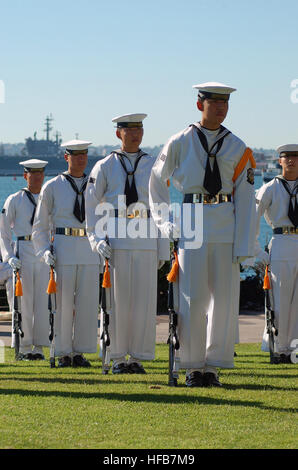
<point>33,165</point>
<point>287,149</point>
<point>214,90</point>
<point>75,145</point>
<point>130,120</point>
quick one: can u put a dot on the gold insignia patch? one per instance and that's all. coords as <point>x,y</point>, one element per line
<point>250,176</point>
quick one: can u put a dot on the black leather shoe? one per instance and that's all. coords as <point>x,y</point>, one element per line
<point>121,368</point>
<point>135,368</point>
<point>38,357</point>
<point>285,359</point>
<point>210,380</point>
<point>26,357</point>
<point>64,361</point>
<point>194,379</point>
<point>80,361</point>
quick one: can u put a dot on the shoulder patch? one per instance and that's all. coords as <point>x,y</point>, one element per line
<point>91,180</point>
<point>250,176</point>
<point>3,211</point>
<point>162,157</point>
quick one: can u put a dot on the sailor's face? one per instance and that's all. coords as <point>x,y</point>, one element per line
<point>131,137</point>
<point>289,164</point>
<point>76,163</point>
<point>34,180</point>
<point>215,110</point>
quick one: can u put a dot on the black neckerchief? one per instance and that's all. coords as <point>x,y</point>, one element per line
<point>32,200</point>
<point>78,211</point>
<point>212,180</point>
<point>293,211</point>
<point>130,191</point>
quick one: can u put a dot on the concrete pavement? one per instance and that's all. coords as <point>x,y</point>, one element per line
<point>251,326</point>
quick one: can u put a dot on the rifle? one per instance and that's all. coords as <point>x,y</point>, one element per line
<point>270,317</point>
<point>105,301</point>
<point>52,290</point>
<point>17,316</point>
<point>173,340</point>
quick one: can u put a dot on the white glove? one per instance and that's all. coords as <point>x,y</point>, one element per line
<point>263,256</point>
<point>171,231</point>
<point>15,263</point>
<point>49,258</point>
<point>161,262</point>
<point>104,249</point>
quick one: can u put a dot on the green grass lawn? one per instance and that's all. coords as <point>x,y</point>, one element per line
<point>43,408</point>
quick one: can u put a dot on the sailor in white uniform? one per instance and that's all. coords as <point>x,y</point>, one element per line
<point>278,202</point>
<point>17,218</point>
<point>134,261</point>
<point>61,208</point>
<point>209,165</point>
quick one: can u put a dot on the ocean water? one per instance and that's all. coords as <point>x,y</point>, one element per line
<point>9,185</point>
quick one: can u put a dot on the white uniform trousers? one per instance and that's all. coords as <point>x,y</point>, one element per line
<point>133,316</point>
<point>76,319</point>
<point>284,277</point>
<point>34,304</point>
<point>207,314</point>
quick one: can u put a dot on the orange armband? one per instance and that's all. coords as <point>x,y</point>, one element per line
<point>248,155</point>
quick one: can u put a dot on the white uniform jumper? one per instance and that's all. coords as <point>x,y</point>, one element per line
<point>207,315</point>
<point>16,217</point>
<point>76,266</point>
<point>273,203</point>
<point>134,261</point>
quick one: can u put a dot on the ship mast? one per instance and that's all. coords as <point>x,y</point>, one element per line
<point>48,128</point>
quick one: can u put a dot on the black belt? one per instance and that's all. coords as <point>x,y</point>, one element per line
<point>285,230</point>
<point>207,198</point>
<point>74,232</point>
<point>27,238</point>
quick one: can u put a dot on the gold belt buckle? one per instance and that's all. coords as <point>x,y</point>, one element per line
<point>27,238</point>
<point>137,214</point>
<point>78,232</point>
<point>208,199</point>
<point>67,231</point>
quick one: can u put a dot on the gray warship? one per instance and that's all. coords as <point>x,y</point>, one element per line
<point>44,147</point>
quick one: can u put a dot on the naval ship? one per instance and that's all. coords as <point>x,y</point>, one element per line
<point>44,147</point>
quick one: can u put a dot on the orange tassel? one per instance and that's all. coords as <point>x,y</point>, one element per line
<point>52,287</point>
<point>106,283</point>
<point>18,288</point>
<point>168,183</point>
<point>173,274</point>
<point>266,285</point>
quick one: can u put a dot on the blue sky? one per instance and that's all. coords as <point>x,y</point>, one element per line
<point>88,61</point>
